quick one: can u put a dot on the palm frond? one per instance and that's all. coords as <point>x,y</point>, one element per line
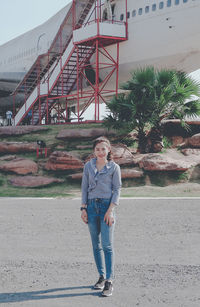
<point>152,95</point>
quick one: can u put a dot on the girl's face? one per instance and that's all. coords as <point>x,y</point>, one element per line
<point>101,150</point>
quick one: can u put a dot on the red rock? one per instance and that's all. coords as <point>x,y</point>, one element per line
<point>194,141</point>
<point>20,130</point>
<point>16,147</point>
<point>33,181</point>
<point>62,160</point>
<point>121,154</point>
<point>8,158</point>
<point>157,162</point>
<point>131,173</point>
<point>77,176</point>
<point>176,141</point>
<point>191,151</point>
<point>84,133</point>
<point>125,174</point>
<point>178,121</point>
<point>84,147</point>
<point>138,157</point>
<point>20,166</point>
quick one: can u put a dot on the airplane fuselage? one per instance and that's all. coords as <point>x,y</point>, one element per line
<point>165,34</point>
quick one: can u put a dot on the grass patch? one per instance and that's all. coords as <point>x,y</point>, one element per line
<point>53,190</point>
<point>164,178</point>
<point>183,177</point>
<point>166,142</point>
<point>177,190</point>
<point>1,181</point>
<point>130,182</point>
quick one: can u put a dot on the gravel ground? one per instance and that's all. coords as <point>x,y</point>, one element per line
<point>46,257</point>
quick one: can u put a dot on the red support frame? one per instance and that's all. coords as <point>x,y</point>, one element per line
<point>87,54</point>
<point>95,93</point>
<point>77,79</point>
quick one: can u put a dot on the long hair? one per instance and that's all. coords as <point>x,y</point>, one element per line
<point>103,139</point>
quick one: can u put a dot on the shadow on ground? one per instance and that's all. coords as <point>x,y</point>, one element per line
<point>45,294</point>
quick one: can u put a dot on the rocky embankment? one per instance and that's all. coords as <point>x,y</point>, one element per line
<point>182,163</point>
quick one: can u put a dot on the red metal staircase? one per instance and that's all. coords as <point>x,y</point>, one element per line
<point>57,75</point>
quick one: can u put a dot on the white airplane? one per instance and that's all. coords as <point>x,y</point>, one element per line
<point>19,54</point>
<point>165,34</point>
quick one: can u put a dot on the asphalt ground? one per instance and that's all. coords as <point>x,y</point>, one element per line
<point>46,257</point>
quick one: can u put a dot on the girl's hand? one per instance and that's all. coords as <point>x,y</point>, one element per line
<point>109,217</point>
<point>84,216</point>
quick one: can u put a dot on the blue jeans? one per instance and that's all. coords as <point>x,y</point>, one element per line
<point>101,235</point>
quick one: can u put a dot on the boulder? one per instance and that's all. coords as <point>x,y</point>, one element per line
<point>195,174</point>
<point>20,166</point>
<point>127,173</point>
<point>133,151</point>
<point>33,181</point>
<point>62,160</point>
<point>84,133</point>
<point>194,141</point>
<point>77,176</point>
<point>80,147</point>
<point>174,126</point>
<point>138,157</point>
<point>158,162</point>
<point>20,130</point>
<point>191,151</point>
<point>17,147</point>
<point>8,158</point>
<point>176,141</point>
<point>120,153</point>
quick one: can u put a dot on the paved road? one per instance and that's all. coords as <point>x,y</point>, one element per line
<point>46,258</point>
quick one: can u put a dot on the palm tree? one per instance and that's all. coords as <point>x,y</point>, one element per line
<point>150,96</point>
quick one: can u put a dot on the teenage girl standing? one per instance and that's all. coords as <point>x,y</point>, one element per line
<point>101,184</point>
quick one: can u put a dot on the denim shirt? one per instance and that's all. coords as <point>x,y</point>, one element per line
<point>105,183</point>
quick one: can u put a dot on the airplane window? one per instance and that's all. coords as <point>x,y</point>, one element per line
<point>154,7</point>
<point>176,2</point>
<point>128,14</point>
<point>161,5</point>
<point>122,17</point>
<point>147,9</point>
<point>140,11</point>
<point>133,13</point>
<point>169,3</point>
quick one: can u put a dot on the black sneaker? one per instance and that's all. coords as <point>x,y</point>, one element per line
<point>99,284</point>
<point>108,289</point>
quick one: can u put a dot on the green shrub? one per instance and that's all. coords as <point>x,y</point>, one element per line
<point>1,182</point>
<point>166,142</point>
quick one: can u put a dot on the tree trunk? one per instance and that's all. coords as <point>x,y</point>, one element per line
<point>155,139</point>
<point>142,141</point>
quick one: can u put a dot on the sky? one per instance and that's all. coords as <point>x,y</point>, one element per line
<point>20,16</point>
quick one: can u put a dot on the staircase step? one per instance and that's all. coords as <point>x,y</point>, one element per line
<point>68,75</point>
